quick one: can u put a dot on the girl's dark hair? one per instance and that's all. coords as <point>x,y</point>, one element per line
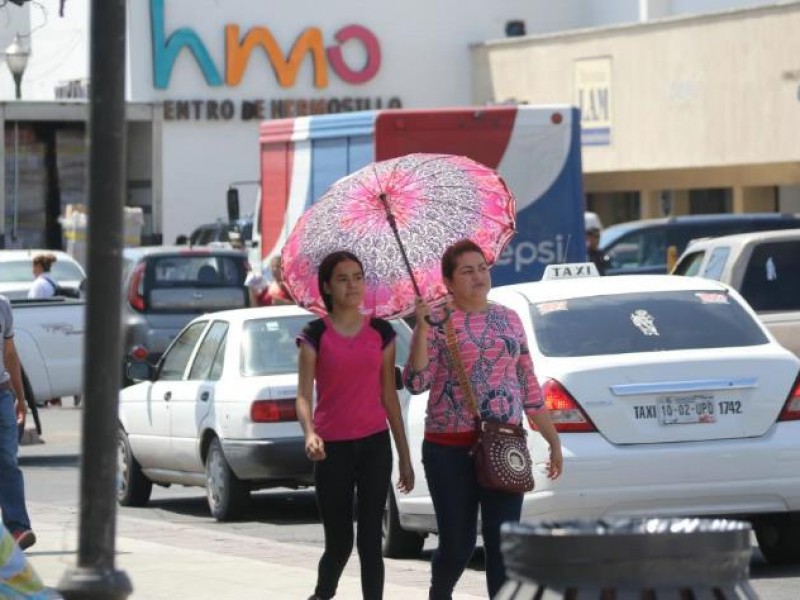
<point>452,253</point>
<point>325,272</point>
<point>45,261</point>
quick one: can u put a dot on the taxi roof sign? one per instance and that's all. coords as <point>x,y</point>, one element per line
<point>570,271</point>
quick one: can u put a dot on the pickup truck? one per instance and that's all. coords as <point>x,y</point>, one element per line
<point>49,335</point>
<point>764,267</point>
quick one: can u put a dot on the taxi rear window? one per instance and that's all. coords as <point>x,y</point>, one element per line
<point>651,322</point>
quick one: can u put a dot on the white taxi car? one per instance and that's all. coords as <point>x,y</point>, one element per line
<point>670,399</point>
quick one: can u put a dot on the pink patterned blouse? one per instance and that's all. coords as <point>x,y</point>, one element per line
<point>494,351</point>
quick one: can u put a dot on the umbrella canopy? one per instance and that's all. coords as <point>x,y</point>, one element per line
<point>397,215</point>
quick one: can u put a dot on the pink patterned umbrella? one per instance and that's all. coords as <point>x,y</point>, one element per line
<point>398,216</point>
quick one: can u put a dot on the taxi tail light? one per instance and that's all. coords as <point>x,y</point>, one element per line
<point>136,289</point>
<point>273,411</point>
<point>791,410</point>
<point>565,412</point>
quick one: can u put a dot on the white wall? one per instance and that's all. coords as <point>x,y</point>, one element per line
<point>425,62</point>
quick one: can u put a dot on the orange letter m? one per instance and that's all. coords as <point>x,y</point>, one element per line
<point>285,69</point>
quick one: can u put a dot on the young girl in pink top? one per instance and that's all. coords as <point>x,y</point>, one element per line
<point>494,352</point>
<point>351,357</point>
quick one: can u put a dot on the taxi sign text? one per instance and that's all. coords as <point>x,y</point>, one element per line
<point>570,271</point>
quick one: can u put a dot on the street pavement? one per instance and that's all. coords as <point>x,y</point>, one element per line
<point>168,554</point>
<point>170,560</point>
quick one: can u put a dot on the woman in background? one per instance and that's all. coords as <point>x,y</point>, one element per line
<point>43,284</point>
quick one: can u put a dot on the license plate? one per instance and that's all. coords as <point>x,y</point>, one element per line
<point>686,409</point>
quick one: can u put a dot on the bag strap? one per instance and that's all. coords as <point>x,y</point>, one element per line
<point>461,374</point>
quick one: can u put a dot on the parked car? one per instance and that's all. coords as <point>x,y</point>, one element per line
<point>763,267</point>
<point>219,233</point>
<point>639,247</point>
<point>166,287</point>
<point>219,410</point>
<point>671,399</point>
<point>16,272</point>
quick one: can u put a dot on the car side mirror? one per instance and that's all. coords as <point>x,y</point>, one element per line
<point>233,204</point>
<point>398,378</point>
<point>138,370</point>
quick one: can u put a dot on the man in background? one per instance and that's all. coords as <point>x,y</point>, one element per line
<point>593,251</point>
<point>13,410</point>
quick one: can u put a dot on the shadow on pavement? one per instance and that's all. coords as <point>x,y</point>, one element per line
<point>273,507</point>
<point>49,460</point>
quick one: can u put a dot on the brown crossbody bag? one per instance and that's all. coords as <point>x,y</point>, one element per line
<point>502,459</point>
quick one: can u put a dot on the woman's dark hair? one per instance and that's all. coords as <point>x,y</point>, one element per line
<point>453,252</point>
<point>45,261</point>
<point>325,272</point>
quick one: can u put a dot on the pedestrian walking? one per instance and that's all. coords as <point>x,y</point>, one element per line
<point>12,417</point>
<point>494,352</point>
<point>264,292</point>
<point>43,284</point>
<point>352,360</point>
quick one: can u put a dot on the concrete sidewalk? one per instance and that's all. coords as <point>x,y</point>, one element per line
<point>166,561</point>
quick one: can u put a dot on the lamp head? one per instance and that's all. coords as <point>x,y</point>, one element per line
<point>17,56</point>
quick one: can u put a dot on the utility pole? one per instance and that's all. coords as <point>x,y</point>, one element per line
<point>95,577</point>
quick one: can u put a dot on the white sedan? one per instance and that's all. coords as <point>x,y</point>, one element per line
<point>670,398</point>
<point>219,410</point>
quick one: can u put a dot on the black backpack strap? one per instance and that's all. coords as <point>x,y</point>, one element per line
<point>52,284</point>
<point>312,333</point>
<point>385,329</point>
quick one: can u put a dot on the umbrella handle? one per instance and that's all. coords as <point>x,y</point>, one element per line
<point>435,322</point>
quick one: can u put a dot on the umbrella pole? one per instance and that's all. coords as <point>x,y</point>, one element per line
<point>393,224</point>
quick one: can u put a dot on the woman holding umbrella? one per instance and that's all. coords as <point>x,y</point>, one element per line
<point>492,344</point>
<point>351,357</point>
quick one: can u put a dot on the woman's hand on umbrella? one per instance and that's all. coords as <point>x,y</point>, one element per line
<point>315,447</point>
<point>421,311</point>
<point>405,482</point>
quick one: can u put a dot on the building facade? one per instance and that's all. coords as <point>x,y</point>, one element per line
<point>687,114</point>
<point>679,107</point>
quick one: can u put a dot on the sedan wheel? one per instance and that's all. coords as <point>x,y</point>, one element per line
<point>397,542</point>
<point>778,538</point>
<point>227,495</point>
<point>133,487</point>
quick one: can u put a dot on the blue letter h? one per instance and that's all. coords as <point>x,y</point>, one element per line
<point>165,51</point>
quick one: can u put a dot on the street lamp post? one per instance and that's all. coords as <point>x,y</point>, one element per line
<point>17,59</point>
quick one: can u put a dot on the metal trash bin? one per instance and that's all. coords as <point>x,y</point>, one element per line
<point>642,559</point>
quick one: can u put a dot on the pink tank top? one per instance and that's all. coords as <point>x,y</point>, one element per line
<point>348,379</point>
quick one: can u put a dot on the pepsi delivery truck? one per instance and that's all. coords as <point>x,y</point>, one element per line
<point>536,149</point>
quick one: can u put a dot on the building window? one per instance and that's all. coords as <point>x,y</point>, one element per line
<point>711,200</point>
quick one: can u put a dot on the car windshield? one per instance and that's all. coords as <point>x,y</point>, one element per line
<point>21,271</point>
<point>196,270</point>
<point>643,322</point>
<point>613,233</point>
<point>268,345</point>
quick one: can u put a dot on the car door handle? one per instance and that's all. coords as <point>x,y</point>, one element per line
<point>204,396</point>
<point>168,396</point>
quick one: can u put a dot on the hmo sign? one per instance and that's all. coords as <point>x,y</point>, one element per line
<point>239,47</point>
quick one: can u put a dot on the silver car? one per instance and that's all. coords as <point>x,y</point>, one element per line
<point>166,287</point>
